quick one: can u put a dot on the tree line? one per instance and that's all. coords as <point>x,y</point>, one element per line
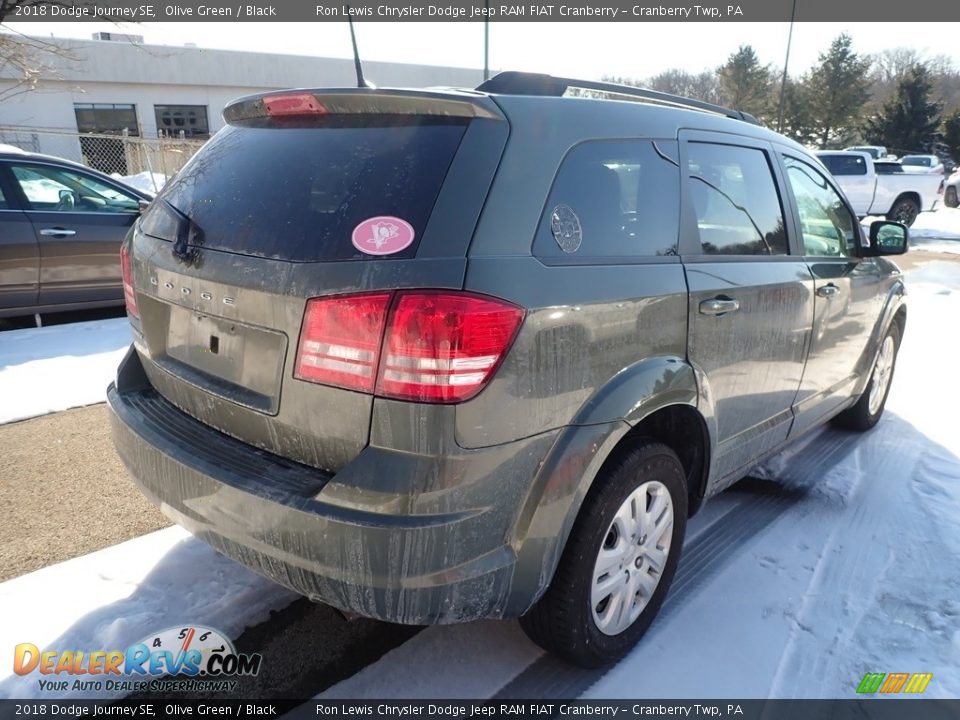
<point>897,98</point>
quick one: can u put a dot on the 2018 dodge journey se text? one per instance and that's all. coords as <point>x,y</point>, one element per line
<point>433,356</point>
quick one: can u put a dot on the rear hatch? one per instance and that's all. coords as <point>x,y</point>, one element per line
<point>303,194</point>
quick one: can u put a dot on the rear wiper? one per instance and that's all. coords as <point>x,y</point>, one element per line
<point>186,246</point>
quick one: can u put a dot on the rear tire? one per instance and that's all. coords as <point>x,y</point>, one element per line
<point>866,413</point>
<point>904,210</point>
<point>618,563</point>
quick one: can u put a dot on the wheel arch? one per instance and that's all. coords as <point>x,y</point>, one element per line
<point>907,195</point>
<point>670,416</point>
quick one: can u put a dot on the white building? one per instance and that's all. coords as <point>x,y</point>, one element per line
<point>116,87</point>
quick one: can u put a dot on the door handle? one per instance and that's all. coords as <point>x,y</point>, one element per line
<point>826,291</point>
<point>719,306</point>
<point>57,232</point>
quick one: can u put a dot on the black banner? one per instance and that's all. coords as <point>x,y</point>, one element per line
<point>479,11</point>
<point>873,709</point>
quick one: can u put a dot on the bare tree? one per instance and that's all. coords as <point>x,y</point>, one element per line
<point>24,60</point>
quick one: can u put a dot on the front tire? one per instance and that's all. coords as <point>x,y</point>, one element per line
<point>866,413</point>
<point>619,561</point>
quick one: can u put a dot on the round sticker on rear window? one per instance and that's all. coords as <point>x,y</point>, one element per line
<point>565,226</point>
<point>382,235</point>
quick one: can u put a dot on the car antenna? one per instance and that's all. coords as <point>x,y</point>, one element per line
<point>361,82</point>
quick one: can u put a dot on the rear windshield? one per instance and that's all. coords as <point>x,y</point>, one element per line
<point>299,193</point>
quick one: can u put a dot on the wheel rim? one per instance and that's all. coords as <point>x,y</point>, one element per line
<point>882,372</point>
<point>906,213</point>
<point>632,558</point>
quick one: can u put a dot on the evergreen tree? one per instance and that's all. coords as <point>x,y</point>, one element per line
<point>951,134</point>
<point>836,91</point>
<point>911,119</point>
<point>747,85</point>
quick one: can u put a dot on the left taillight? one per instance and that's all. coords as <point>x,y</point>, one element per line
<point>429,346</point>
<point>126,268</point>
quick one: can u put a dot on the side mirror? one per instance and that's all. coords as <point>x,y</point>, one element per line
<point>142,205</point>
<point>887,238</point>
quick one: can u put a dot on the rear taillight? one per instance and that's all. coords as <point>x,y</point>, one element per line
<point>126,268</point>
<point>423,346</point>
<point>443,347</point>
<point>340,340</point>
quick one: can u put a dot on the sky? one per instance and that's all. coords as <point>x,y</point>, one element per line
<point>588,49</point>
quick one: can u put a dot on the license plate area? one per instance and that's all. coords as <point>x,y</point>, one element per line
<point>242,363</point>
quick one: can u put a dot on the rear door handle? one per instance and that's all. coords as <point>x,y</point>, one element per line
<point>57,232</point>
<point>827,290</point>
<point>719,306</point>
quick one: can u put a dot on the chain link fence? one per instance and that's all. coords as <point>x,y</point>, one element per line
<point>145,162</point>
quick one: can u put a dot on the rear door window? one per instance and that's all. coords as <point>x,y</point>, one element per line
<point>612,199</point>
<point>298,193</point>
<point>735,199</point>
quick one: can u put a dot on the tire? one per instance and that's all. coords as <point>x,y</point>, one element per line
<point>950,197</point>
<point>869,407</point>
<point>574,619</point>
<point>904,210</point>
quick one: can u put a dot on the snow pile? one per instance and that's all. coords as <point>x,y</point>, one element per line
<point>145,181</point>
<point>113,598</point>
<point>43,370</point>
<point>943,222</point>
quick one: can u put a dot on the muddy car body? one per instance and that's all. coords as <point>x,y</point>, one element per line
<point>443,433</point>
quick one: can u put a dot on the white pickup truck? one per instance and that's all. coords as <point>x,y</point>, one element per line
<point>898,196</point>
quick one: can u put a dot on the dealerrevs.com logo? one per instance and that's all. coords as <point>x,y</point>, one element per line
<point>890,683</point>
<point>188,658</point>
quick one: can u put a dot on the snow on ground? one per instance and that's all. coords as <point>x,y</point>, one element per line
<point>934,231</point>
<point>943,222</point>
<point>43,370</point>
<point>113,598</point>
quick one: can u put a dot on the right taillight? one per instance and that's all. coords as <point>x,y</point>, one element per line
<point>126,269</point>
<point>423,346</point>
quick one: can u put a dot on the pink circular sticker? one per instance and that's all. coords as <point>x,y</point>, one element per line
<point>382,235</point>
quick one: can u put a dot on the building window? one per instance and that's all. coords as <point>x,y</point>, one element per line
<point>182,121</point>
<point>107,118</point>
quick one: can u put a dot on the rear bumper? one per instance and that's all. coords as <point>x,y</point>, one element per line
<point>377,554</point>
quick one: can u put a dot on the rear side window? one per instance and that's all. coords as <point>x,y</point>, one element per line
<point>736,201</point>
<point>298,193</point>
<point>612,199</point>
<point>845,164</point>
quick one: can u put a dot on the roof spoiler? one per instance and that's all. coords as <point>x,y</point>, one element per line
<point>304,103</point>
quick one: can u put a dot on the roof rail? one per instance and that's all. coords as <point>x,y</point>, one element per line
<point>521,83</point>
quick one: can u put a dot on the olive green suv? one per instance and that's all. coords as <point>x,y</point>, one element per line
<point>434,356</point>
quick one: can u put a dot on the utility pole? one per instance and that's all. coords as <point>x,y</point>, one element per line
<point>786,61</point>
